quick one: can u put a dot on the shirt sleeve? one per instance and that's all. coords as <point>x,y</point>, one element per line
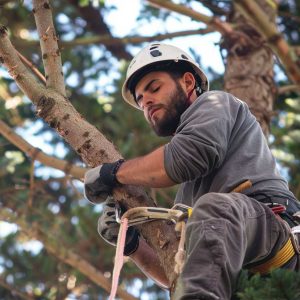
<point>201,140</point>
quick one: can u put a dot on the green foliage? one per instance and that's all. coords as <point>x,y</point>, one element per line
<point>94,75</point>
<point>286,144</point>
<point>280,285</point>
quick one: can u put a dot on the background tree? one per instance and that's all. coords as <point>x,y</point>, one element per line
<point>48,206</point>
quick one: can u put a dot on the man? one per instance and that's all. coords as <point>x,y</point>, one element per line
<point>216,145</point>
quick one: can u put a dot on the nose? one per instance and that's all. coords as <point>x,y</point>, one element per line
<point>145,101</point>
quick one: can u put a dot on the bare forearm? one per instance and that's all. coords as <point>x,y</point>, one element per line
<point>147,261</point>
<point>147,170</point>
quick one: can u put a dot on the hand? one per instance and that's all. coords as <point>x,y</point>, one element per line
<point>108,228</point>
<point>100,181</point>
<point>94,190</point>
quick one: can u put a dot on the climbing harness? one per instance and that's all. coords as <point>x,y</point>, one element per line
<point>139,215</point>
<point>179,214</point>
<point>289,249</point>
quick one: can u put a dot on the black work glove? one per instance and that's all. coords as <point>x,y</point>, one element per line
<point>100,181</point>
<point>108,228</point>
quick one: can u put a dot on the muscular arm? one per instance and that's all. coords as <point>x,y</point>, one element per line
<point>146,260</point>
<point>147,170</point>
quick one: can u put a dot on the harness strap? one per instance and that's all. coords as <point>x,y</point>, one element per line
<point>281,257</point>
<point>140,215</point>
<point>284,254</point>
<point>119,258</point>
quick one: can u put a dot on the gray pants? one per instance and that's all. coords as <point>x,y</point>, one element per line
<point>225,233</point>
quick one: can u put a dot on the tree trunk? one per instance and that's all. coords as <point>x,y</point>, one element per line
<point>249,65</point>
<point>92,146</point>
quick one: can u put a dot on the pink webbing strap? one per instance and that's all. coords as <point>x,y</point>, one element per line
<point>119,258</point>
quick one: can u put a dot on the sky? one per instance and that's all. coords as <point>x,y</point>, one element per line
<point>206,49</point>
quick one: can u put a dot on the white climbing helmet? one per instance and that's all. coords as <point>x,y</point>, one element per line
<point>155,55</point>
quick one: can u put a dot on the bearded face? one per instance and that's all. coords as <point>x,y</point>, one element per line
<point>163,99</point>
<point>173,107</point>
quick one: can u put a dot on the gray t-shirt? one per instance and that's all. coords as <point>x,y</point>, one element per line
<point>217,146</point>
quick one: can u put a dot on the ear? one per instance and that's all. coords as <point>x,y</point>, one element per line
<point>188,81</point>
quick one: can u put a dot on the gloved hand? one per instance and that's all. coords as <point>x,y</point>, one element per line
<point>100,181</point>
<point>108,228</point>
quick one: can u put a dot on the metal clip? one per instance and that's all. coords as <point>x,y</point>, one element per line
<point>118,212</point>
<point>295,231</point>
<point>139,215</point>
<point>179,206</point>
<point>296,217</point>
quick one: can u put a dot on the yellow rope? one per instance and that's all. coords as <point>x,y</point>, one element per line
<point>281,257</point>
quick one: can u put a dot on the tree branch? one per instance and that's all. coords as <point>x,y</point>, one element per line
<point>253,12</point>
<point>289,16</point>
<point>109,41</point>
<point>91,145</point>
<point>50,241</point>
<point>23,77</point>
<point>37,154</point>
<point>96,23</point>
<point>32,66</point>
<point>216,23</point>
<point>14,291</point>
<point>288,89</point>
<point>214,8</point>
<point>48,41</point>
<point>56,109</point>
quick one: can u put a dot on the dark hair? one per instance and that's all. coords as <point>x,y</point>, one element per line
<point>174,69</point>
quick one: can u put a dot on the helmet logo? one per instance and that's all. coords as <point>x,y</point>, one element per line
<point>155,53</point>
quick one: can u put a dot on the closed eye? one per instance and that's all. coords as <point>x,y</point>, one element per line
<point>156,89</point>
<point>150,87</point>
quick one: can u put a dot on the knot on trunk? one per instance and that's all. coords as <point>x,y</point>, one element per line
<point>3,30</point>
<point>44,106</point>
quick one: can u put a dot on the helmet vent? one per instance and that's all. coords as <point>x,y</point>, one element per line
<point>153,47</point>
<point>184,57</point>
<point>155,53</point>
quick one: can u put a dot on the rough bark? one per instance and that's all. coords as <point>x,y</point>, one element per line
<point>90,144</point>
<point>249,66</point>
<point>48,40</point>
<point>260,15</point>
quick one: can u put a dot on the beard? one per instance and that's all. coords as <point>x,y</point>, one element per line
<point>177,104</point>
